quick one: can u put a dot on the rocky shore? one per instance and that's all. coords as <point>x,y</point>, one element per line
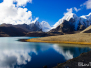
<point>82,61</point>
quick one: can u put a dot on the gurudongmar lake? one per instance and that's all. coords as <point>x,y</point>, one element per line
<point>16,54</point>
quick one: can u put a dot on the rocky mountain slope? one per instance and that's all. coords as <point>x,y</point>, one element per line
<point>65,27</point>
<point>18,30</point>
<point>31,27</point>
<point>35,26</point>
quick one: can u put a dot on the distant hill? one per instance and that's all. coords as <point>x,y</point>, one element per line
<point>43,34</point>
<point>18,30</point>
<point>11,31</point>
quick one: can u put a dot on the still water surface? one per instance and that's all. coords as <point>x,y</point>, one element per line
<point>16,54</point>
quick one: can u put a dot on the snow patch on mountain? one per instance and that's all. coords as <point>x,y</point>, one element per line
<point>87,17</point>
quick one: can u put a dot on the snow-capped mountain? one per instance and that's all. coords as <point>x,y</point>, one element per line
<point>68,20</point>
<point>35,26</point>
<point>76,21</point>
<point>66,17</point>
<point>45,26</point>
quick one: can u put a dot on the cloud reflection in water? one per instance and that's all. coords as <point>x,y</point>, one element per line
<point>8,58</point>
<point>68,55</point>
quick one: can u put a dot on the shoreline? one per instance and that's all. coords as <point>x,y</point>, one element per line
<point>66,42</point>
<point>80,38</point>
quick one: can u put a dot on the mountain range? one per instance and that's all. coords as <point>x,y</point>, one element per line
<point>71,22</point>
<point>68,24</point>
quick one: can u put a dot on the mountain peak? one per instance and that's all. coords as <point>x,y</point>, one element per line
<point>45,26</point>
<point>66,17</point>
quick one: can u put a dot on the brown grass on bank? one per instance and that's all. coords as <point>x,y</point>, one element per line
<point>80,38</point>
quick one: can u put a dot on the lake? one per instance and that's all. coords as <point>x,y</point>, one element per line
<point>16,54</point>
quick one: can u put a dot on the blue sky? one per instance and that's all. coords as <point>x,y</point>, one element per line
<point>53,10</point>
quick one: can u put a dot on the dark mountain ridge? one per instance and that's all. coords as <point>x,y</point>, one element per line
<point>17,30</point>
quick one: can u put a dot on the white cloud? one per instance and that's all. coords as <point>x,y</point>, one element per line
<point>68,14</point>
<point>22,2</point>
<point>88,4</point>
<point>77,9</point>
<point>10,14</point>
<point>69,10</point>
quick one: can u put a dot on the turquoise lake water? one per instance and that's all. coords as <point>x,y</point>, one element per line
<point>16,54</point>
